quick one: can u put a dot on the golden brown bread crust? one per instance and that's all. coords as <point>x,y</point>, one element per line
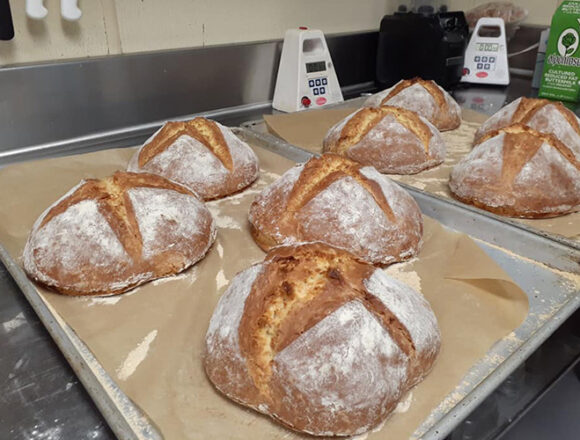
<point>284,215</point>
<point>523,142</point>
<point>115,205</point>
<point>429,85</point>
<point>319,173</point>
<point>296,289</point>
<point>265,241</point>
<point>202,129</point>
<point>444,119</point>
<point>317,281</point>
<point>549,187</point>
<point>200,154</point>
<point>525,111</point>
<point>367,118</point>
<point>372,136</point>
<point>47,254</point>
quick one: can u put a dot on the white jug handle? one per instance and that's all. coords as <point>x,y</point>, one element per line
<point>69,10</point>
<point>35,9</point>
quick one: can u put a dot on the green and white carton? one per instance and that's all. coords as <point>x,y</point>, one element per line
<point>561,76</point>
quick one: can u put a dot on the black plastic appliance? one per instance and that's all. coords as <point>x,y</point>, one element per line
<point>430,46</point>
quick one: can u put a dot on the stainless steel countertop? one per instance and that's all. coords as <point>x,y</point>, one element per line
<point>41,396</point>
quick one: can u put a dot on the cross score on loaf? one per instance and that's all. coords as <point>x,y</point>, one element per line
<point>338,201</point>
<point>319,340</point>
<point>540,114</point>
<point>425,98</point>
<point>392,139</point>
<point>107,236</point>
<point>518,171</point>
<point>201,154</point>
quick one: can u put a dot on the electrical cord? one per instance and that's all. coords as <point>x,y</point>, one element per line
<point>527,49</point>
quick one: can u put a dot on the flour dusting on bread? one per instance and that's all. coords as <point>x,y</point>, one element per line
<point>358,222</point>
<point>106,236</point>
<point>83,223</point>
<point>392,139</point>
<point>341,203</point>
<point>518,171</point>
<point>425,98</point>
<point>351,348</point>
<point>319,340</point>
<point>154,208</point>
<point>199,160</point>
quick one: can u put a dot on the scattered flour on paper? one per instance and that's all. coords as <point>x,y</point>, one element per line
<point>105,300</point>
<point>570,281</point>
<point>109,300</point>
<point>269,174</point>
<point>265,178</point>
<point>220,249</point>
<point>14,323</point>
<point>364,436</point>
<point>190,274</point>
<point>221,280</point>
<point>224,221</point>
<point>398,272</point>
<point>404,404</point>
<point>136,356</point>
<point>419,185</point>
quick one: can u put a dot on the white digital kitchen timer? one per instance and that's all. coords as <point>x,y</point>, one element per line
<point>486,55</point>
<point>306,76</point>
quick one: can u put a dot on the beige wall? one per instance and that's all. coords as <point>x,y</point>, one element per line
<point>127,26</point>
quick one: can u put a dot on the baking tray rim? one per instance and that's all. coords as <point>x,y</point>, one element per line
<point>251,125</point>
<point>124,425</point>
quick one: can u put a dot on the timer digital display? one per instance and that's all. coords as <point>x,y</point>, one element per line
<point>487,47</point>
<point>318,66</point>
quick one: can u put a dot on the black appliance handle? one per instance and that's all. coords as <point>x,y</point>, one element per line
<point>6,26</point>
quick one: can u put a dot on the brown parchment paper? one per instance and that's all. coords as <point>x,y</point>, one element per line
<point>313,126</point>
<point>150,340</point>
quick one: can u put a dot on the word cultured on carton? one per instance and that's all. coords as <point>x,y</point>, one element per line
<point>561,76</point>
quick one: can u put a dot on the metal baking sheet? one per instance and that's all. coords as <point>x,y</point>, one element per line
<point>552,294</point>
<point>542,274</point>
<point>259,126</point>
<point>124,418</point>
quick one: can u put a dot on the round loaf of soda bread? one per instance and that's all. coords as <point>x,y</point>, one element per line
<point>320,341</point>
<point>392,139</point>
<point>424,97</point>
<point>517,171</point>
<point>200,154</point>
<point>107,236</point>
<point>542,115</point>
<point>342,203</point>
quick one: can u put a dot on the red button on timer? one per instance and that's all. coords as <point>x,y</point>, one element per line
<point>321,101</point>
<point>306,101</point>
